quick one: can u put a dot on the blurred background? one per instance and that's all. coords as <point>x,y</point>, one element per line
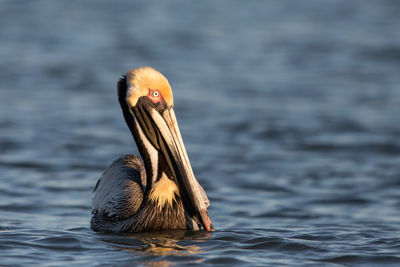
<point>289,111</point>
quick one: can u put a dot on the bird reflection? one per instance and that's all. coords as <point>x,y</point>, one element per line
<point>168,243</point>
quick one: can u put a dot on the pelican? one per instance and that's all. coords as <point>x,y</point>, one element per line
<point>160,192</point>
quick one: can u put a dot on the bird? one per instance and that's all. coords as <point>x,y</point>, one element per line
<point>158,191</point>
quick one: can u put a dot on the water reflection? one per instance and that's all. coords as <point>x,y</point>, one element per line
<point>162,263</point>
<point>168,243</point>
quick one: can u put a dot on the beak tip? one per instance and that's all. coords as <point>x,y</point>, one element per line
<point>206,221</point>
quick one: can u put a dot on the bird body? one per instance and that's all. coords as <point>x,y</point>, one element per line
<point>160,192</point>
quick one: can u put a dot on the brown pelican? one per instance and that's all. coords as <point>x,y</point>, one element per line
<point>162,193</point>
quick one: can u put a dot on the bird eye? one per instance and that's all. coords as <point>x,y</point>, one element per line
<point>154,96</point>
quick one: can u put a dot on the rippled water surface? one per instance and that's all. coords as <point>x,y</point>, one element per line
<point>289,111</point>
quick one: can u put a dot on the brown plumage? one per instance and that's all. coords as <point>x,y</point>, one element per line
<point>121,204</point>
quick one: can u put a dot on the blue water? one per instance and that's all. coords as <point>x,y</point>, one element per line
<point>289,111</point>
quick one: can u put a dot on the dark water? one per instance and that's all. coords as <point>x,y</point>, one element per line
<point>289,111</point>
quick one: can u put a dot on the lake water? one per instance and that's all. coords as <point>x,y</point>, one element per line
<point>289,111</point>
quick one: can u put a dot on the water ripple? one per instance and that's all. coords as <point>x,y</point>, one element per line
<point>288,109</point>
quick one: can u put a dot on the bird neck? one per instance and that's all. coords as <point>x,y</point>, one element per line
<point>149,155</point>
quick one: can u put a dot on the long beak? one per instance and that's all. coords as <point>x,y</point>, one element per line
<point>163,132</point>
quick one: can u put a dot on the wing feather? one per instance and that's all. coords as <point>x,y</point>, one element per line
<point>119,192</point>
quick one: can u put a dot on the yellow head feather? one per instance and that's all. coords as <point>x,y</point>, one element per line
<point>141,80</point>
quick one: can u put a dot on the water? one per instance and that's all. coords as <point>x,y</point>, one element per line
<point>289,112</point>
